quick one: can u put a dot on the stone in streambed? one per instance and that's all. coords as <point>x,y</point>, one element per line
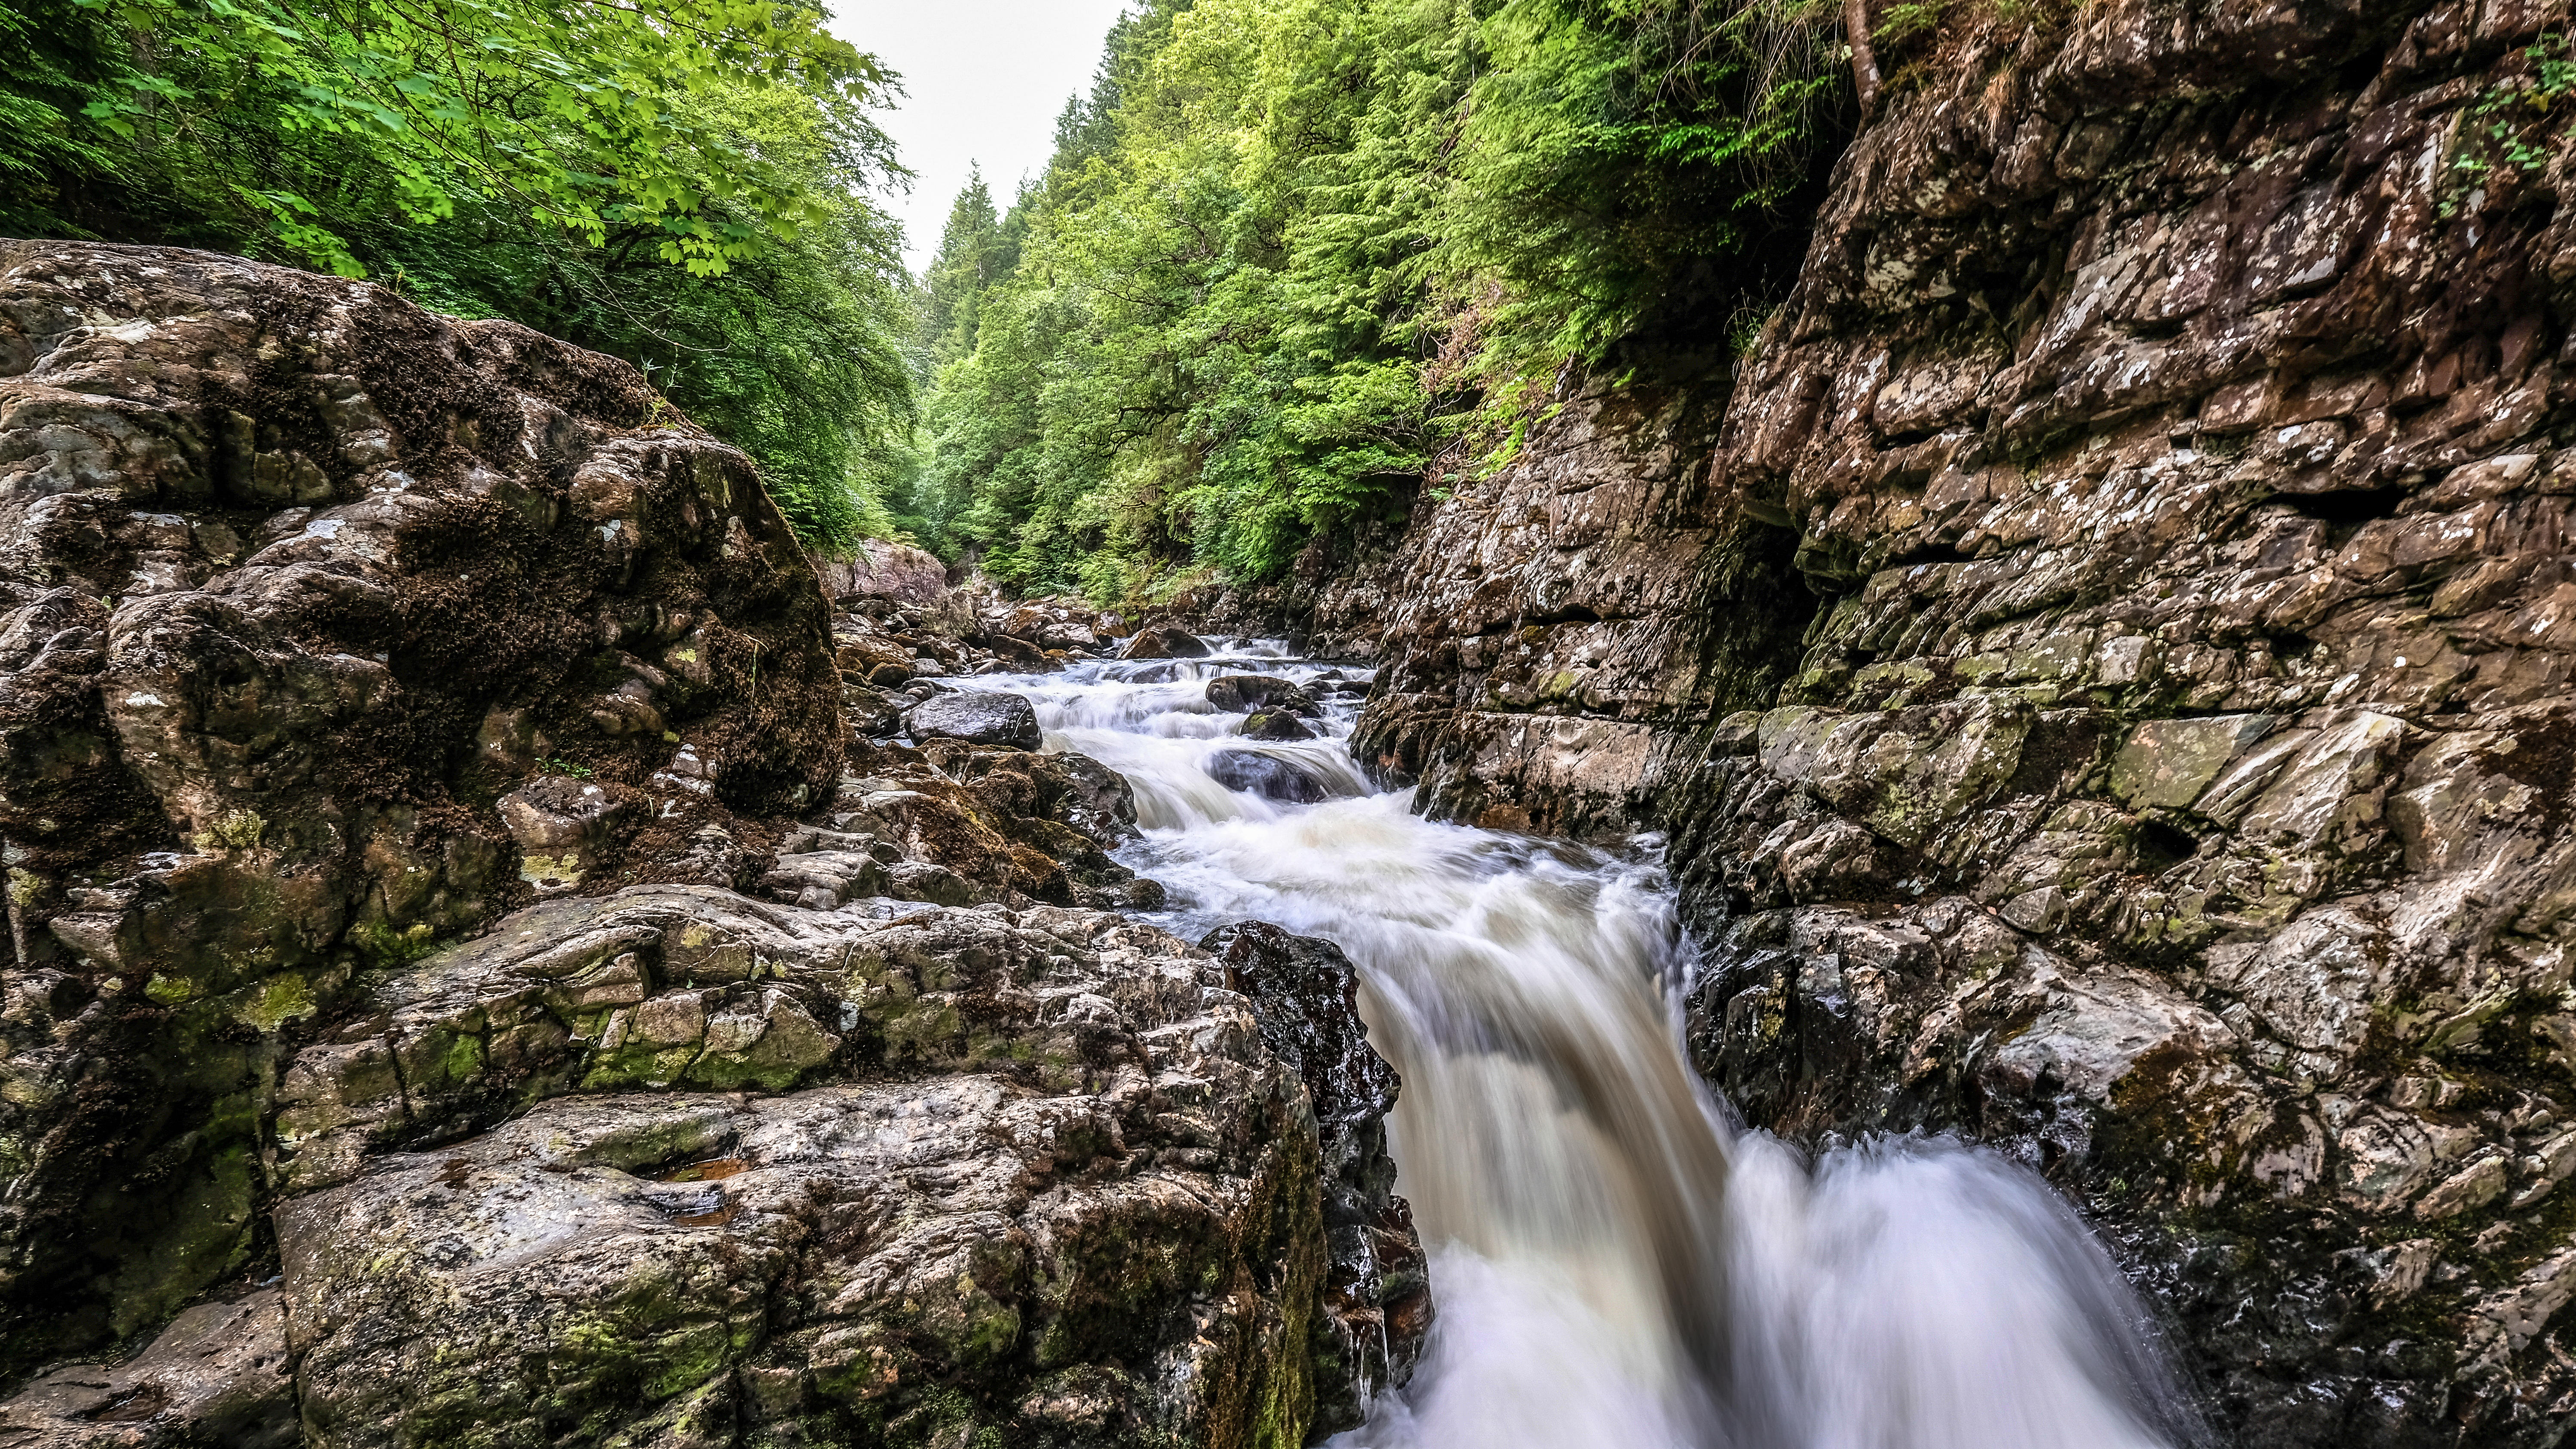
<point>1276,724</point>
<point>1245,693</point>
<point>1163,641</point>
<point>1267,776</point>
<point>979,718</point>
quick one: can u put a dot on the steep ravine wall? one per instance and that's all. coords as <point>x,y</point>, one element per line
<point>2105,675</point>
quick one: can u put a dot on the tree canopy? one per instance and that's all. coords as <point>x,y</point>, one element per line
<point>678,182</point>
<point>1293,258</point>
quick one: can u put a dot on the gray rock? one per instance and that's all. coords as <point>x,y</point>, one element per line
<point>978,718</point>
<point>1267,776</point>
<point>1306,994</point>
<point>1163,641</point>
<point>562,827</point>
<point>1019,1178</point>
<point>218,1375</point>
<point>1244,693</point>
<point>297,580</point>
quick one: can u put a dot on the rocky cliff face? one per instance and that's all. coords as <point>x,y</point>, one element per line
<point>2161,763</point>
<point>805,1094</point>
<point>301,583</point>
<point>1542,628</point>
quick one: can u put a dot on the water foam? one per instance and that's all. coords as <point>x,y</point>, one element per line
<point>1614,1262</point>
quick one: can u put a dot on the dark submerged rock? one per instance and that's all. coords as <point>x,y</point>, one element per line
<point>1267,776</point>
<point>978,718</point>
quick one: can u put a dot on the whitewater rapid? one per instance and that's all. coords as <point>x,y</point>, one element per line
<point>1615,1263</point>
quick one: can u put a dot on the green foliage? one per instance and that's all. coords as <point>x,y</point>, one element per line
<point>1291,252</point>
<point>2519,123</point>
<point>1613,142</point>
<point>676,183</point>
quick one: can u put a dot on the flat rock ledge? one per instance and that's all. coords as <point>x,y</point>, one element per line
<point>672,1166</point>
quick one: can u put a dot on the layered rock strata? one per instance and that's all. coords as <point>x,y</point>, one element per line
<point>2161,767</point>
<point>1534,628</point>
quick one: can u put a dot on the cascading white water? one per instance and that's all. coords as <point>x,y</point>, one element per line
<point>1613,1262</point>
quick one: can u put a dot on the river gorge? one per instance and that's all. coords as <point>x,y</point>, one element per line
<point>1617,1259</point>
<point>1966,845</point>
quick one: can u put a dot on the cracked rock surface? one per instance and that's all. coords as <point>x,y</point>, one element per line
<point>497,972</point>
<point>2102,658</point>
<point>328,628</point>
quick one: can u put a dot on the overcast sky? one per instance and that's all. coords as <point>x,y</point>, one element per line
<point>985,79</point>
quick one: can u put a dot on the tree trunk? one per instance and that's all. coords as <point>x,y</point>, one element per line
<point>1864,58</point>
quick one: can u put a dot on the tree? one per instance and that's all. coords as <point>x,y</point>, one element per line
<point>680,183</point>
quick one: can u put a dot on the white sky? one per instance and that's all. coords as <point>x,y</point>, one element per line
<point>984,81</point>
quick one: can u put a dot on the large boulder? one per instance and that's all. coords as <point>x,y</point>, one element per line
<point>298,584</point>
<point>877,569</point>
<point>1267,776</point>
<point>977,717</point>
<point>1377,1296</point>
<point>1163,641</point>
<point>675,1166</point>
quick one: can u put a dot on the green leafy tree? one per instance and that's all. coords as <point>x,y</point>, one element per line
<point>1293,257</point>
<point>679,183</point>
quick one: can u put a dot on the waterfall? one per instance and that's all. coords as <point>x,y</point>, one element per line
<point>1615,1261</point>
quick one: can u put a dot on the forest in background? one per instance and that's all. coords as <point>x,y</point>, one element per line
<point>1295,260</point>
<point>1292,262</point>
<point>682,184</point>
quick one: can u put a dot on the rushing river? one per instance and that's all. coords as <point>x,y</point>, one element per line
<point>1615,1263</point>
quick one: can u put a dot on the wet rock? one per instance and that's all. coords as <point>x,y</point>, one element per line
<point>1267,776</point>
<point>1163,641</point>
<point>1094,798</point>
<point>822,880</point>
<point>563,827</point>
<point>971,823</point>
<point>2229,590</point>
<point>218,1375</point>
<point>977,718</point>
<point>1306,993</point>
<point>297,582</point>
<point>1275,724</point>
<point>1245,693</point>
<point>1074,1160</point>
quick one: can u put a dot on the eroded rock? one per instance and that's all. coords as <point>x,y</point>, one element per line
<point>1163,641</point>
<point>298,583</point>
<point>977,718</point>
